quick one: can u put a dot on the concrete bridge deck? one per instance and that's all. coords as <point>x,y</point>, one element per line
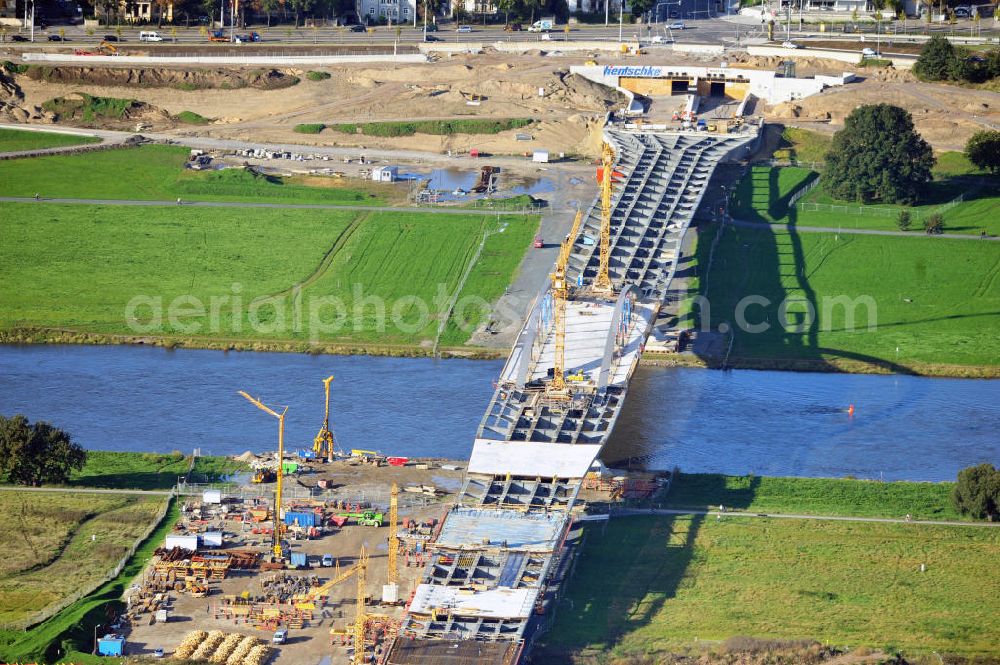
<point>498,557</point>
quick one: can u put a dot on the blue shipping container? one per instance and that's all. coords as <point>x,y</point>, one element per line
<point>298,559</point>
<point>111,645</point>
<point>303,519</point>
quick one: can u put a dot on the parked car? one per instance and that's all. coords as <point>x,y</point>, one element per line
<point>464,28</point>
<point>357,28</point>
<point>538,243</point>
<point>870,52</point>
<point>432,27</point>
<point>676,25</point>
<point>327,561</point>
<point>790,45</point>
<point>514,27</point>
<point>432,38</point>
<point>962,12</point>
<point>57,38</point>
<point>18,38</point>
<point>280,636</point>
<point>157,653</point>
<point>112,38</point>
<point>150,36</point>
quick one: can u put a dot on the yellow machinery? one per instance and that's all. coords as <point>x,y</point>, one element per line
<point>603,282</point>
<point>323,444</point>
<point>393,534</point>
<point>276,535</point>
<point>309,600</point>
<point>560,294</point>
<point>362,615</point>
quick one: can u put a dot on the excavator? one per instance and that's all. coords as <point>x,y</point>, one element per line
<point>104,48</point>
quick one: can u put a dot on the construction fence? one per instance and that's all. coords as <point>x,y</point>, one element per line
<point>879,211</point>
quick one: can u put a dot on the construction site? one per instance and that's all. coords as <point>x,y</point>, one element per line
<point>452,564</point>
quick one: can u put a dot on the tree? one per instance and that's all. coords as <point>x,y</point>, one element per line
<point>983,150</point>
<point>977,492</point>
<point>903,221</point>
<point>878,156</point>
<point>936,60</point>
<point>32,454</point>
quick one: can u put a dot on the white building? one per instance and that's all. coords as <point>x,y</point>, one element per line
<point>395,11</point>
<point>385,173</point>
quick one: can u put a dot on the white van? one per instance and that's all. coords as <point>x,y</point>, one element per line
<point>151,36</point>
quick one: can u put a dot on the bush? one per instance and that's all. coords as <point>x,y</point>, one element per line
<point>317,76</point>
<point>89,107</point>
<point>934,225</point>
<point>12,68</point>
<point>191,118</point>
<point>904,220</point>
<point>310,128</point>
<point>435,127</point>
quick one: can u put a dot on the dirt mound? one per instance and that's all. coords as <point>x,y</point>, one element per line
<point>226,79</point>
<point>584,94</point>
<point>104,112</point>
<point>11,100</point>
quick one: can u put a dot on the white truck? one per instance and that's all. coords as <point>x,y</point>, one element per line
<point>543,25</point>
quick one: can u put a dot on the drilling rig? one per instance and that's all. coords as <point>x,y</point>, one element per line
<point>324,442</point>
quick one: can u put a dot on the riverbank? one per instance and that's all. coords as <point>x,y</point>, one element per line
<point>43,336</point>
<point>828,365</point>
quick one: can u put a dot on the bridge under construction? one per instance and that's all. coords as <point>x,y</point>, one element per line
<point>500,556</point>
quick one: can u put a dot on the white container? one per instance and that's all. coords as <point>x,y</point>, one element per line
<point>540,156</point>
<point>390,593</point>
<point>211,539</point>
<point>189,543</point>
<point>211,496</point>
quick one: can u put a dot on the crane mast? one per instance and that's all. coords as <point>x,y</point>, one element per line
<point>362,617</point>
<point>603,281</point>
<point>393,534</point>
<point>324,442</point>
<point>276,533</point>
<point>560,294</point>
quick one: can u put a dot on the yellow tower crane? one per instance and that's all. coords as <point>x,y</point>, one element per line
<point>276,535</point>
<point>362,616</point>
<point>324,442</point>
<point>393,534</point>
<point>560,294</point>
<point>603,281</point>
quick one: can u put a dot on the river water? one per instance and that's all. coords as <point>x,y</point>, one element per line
<point>770,423</point>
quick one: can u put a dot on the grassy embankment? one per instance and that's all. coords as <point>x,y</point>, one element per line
<point>156,173</point>
<point>649,586</point>
<point>763,195</point>
<point>16,140</point>
<point>108,255</point>
<point>68,635</point>
<point>60,543</point>
<point>933,304</point>
<point>150,471</point>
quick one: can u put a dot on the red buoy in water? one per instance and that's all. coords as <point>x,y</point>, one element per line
<point>850,410</point>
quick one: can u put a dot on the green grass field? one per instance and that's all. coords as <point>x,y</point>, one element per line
<point>155,172</point>
<point>935,301</point>
<point>67,636</point>
<point>15,140</point>
<point>77,267</point>
<point>60,543</point>
<point>763,196</point>
<point>803,145</point>
<point>149,471</point>
<point>813,496</point>
<point>657,585</point>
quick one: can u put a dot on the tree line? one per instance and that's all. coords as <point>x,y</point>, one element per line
<point>940,60</point>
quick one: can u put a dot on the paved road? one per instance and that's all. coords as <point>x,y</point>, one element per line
<point>92,490</point>
<point>633,512</point>
<point>864,232</point>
